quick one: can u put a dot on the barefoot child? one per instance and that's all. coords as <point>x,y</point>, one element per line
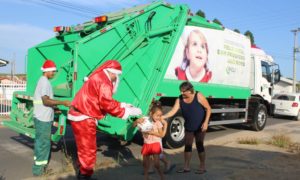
<point>152,139</point>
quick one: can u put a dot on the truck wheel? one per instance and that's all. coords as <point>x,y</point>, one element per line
<point>260,118</point>
<point>174,137</point>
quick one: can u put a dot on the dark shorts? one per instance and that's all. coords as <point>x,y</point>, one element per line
<point>196,129</point>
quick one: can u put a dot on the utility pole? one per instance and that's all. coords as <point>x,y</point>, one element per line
<point>295,50</point>
<point>12,68</point>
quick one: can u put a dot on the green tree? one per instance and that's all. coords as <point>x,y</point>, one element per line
<point>236,30</point>
<point>217,21</point>
<point>250,36</point>
<point>200,13</point>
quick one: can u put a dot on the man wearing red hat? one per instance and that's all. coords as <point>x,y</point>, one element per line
<point>43,113</point>
<point>92,102</point>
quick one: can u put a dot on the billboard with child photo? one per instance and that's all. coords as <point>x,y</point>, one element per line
<point>211,56</point>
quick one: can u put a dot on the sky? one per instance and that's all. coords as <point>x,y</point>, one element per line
<point>25,23</point>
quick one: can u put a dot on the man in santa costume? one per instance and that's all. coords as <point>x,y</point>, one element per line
<point>92,102</point>
<point>43,113</point>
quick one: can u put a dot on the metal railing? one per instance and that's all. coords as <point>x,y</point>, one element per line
<point>6,94</point>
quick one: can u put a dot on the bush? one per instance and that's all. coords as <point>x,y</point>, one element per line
<point>281,141</point>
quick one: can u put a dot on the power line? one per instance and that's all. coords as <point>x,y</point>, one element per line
<point>58,8</point>
<point>65,6</point>
<point>71,6</point>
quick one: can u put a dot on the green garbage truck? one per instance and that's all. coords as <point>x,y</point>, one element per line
<point>153,43</point>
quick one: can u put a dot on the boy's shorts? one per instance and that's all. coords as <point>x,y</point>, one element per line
<point>150,149</point>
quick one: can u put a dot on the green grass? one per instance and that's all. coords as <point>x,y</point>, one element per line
<point>280,140</point>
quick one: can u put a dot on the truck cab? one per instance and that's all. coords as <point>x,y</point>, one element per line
<point>264,74</point>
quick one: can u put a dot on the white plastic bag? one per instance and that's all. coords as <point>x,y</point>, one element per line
<point>146,126</point>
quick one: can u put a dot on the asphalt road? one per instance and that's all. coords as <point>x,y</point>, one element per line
<point>16,151</point>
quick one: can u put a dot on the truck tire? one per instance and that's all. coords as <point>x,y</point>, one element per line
<point>260,118</point>
<point>174,137</point>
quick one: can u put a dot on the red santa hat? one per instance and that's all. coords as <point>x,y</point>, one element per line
<point>112,66</point>
<point>48,66</point>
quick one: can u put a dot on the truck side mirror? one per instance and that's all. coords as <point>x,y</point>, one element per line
<point>276,76</point>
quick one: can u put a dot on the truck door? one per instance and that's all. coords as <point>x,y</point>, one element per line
<point>265,83</point>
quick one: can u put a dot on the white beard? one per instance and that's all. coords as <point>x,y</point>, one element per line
<point>116,84</point>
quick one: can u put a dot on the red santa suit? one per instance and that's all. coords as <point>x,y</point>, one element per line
<point>92,102</point>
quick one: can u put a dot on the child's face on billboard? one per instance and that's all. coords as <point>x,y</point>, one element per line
<point>196,51</point>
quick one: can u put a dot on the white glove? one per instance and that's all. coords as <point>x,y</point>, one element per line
<point>134,111</point>
<point>131,111</point>
<point>126,105</point>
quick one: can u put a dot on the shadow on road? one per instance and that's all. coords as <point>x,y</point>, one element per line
<point>107,148</point>
<point>25,140</point>
<point>222,163</point>
<point>2,178</point>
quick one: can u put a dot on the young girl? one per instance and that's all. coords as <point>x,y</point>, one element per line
<point>194,65</point>
<point>152,139</point>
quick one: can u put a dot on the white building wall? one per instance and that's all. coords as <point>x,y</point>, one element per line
<point>284,86</point>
